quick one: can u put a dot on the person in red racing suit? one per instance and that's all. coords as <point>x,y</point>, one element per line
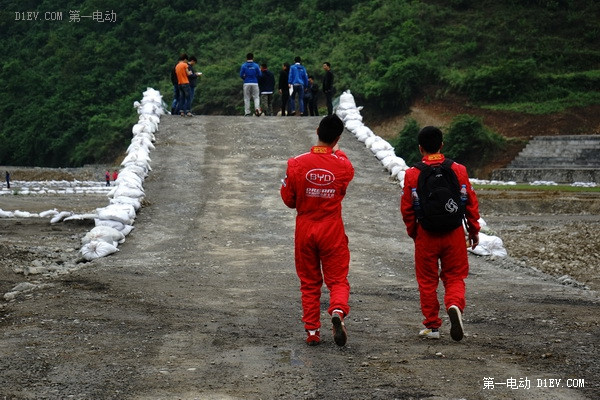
<point>449,249</point>
<point>315,184</point>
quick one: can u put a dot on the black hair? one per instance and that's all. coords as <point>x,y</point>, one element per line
<point>249,56</point>
<point>327,63</point>
<point>264,65</point>
<point>297,59</point>
<point>430,139</point>
<point>330,128</point>
<point>286,65</point>
<point>193,58</point>
<point>183,56</point>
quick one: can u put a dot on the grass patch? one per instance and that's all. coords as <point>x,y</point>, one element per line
<point>549,106</point>
<point>539,188</point>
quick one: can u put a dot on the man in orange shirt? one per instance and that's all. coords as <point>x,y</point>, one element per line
<point>182,71</point>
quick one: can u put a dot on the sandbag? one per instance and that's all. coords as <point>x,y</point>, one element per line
<point>60,216</point>
<point>97,249</point>
<point>104,233</point>
<point>489,246</point>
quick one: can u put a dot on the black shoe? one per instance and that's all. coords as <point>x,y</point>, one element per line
<point>456,326</point>
<point>340,335</point>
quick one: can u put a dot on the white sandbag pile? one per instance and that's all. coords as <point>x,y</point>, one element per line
<point>115,221</point>
<point>349,113</point>
<point>6,214</point>
<point>383,150</point>
<point>51,187</point>
<point>489,243</point>
<point>489,246</point>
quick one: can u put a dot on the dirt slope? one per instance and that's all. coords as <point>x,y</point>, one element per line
<point>202,301</point>
<point>431,110</point>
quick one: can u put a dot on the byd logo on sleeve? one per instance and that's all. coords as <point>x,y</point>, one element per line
<point>320,177</point>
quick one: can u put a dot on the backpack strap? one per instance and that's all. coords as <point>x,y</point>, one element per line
<point>448,163</point>
<point>421,166</point>
<point>426,171</point>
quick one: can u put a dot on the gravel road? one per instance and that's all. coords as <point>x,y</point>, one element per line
<point>202,301</point>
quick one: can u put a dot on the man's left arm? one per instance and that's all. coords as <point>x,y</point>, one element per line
<point>472,206</point>
<point>287,191</point>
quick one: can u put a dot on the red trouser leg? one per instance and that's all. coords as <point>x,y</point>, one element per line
<point>335,261</point>
<point>322,245</point>
<point>448,252</point>
<point>455,269</point>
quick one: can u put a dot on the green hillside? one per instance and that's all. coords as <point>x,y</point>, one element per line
<point>69,76</point>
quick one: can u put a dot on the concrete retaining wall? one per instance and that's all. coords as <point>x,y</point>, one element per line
<point>562,159</point>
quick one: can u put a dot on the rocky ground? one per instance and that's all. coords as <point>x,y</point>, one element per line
<point>202,302</point>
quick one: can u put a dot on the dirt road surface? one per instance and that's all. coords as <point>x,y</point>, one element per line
<point>202,300</point>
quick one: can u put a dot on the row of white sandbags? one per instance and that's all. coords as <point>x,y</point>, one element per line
<point>348,112</point>
<point>115,221</point>
<point>26,188</point>
<point>382,149</point>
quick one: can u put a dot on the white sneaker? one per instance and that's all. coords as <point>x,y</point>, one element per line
<point>430,333</point>
<point>456,325</point>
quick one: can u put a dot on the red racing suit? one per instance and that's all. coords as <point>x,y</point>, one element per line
<point>435,250</point>
<point>315,185</point>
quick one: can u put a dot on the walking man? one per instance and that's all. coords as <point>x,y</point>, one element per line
<point>440,251</point>
<point>315,185</point>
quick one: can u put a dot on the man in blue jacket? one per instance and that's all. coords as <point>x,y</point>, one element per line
<point>298,80</point>
<point>250,72</point>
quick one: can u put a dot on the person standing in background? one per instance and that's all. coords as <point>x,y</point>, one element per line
<point>183,72</point>
<point>7,180</point>
<point>175,104</point>
<point>328,88</point>
<point>193,78</point>
<point>266,85</point>
<point>313,97</point>
<point>298,80</point>
<point>284,89</point>
<point>250,72</point>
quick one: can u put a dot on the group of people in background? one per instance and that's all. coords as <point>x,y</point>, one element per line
<point>259,88</point>
<point>107,176</point>
<point>294,83</point>
<point>184,80</point>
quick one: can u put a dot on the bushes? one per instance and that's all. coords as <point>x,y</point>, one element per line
<point>467,141</point>
<point>406,144</point>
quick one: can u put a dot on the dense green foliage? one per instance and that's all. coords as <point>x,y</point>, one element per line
<point>466,141</point>
<point>469,142</point>
<point>406,144</point>
<point>68,87</point>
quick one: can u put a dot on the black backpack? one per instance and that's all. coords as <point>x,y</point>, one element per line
<point>441,208</point>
